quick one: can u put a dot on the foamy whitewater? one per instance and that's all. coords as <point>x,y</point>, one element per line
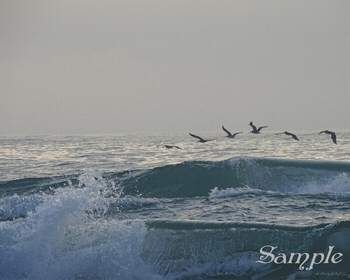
<point>126,207</point>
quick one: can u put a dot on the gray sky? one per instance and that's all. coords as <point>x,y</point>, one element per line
<point>80,67</point>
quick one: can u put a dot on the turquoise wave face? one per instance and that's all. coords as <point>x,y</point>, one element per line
<point>210,178</point>
<point>191,179</point>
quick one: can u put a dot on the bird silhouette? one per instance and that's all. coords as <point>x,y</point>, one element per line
<point>170,146</point>
<point>290,134</point>
<point>256,131</point>
<point>333,136</point>
<point>200,139</point>
<point>229,134</point>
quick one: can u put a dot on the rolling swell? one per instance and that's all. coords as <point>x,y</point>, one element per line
<point>189,179</point>
<point>34,185</point>
<point>199,178</point>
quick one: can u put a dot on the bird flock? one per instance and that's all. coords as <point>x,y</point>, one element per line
<point>255,130</point>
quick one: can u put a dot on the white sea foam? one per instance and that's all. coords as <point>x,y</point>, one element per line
<point>60,239</point>
<point>231,192</point>
<point>336,186</point>
<point>17,206</point>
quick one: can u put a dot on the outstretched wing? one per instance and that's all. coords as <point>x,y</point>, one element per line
<point>224,129</point>
<point>327,132</point>
<point>236,133</point>
<point>334,138</point>
<point>172,146</point>
<point>294,137</point>
<point>261,127</point>
<point>195,136</point>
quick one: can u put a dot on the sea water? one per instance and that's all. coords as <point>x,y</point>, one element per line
<point>126,207</point>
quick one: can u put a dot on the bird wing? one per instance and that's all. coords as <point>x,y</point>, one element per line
<point>294,137</point>
<point>291,134</point>
<point>261,127</point>
<point>195,136</point>
<point>237,133</point>
<point>334,138</point>
<point>224,129</point>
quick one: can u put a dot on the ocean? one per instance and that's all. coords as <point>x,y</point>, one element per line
<point>126,207</point>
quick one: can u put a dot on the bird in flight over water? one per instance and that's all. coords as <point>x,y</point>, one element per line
<point>333,136</point>
<point>256,131</point>
<point>229,134</point>
<point>290,134</point>
<point>170,146</point>
<point>200,139</point>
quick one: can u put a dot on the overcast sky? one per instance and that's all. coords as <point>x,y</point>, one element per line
<point>81,67</point>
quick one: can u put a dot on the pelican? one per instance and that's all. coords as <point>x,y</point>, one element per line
<point>290,134</point>
<point>256,131</point>
<point>229,134</point>
<point>333,136</point>
<point>201,140</point>
<point>170,146</point>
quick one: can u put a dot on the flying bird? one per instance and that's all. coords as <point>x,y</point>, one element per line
<point>290,134</point>
<point>170,146</point>
<point>333,136</point>
<point>256,131</point>
<point>201,140</point>
<point>229,134</point>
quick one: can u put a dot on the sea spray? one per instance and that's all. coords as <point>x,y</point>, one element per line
<point>63,239</point>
